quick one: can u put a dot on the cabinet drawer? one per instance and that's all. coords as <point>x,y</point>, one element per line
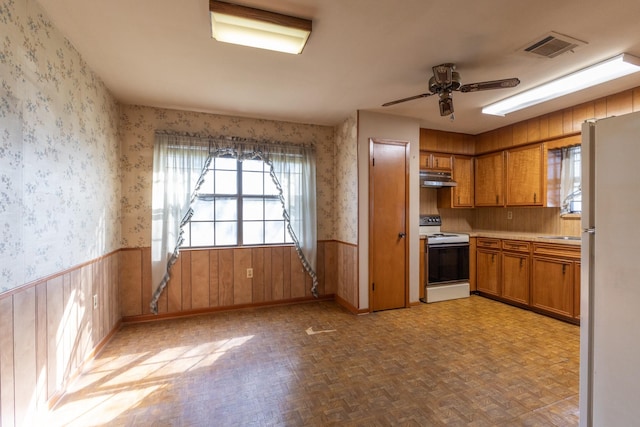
<point>516,245</point>
<point>488,243</point>
<point>562,251</point>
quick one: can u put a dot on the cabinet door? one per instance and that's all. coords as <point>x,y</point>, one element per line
<point>576,291</point>
<point>489,180</point>
<point>488,271</point>
<point>423,268</point>
<point>441,161</point>
<point>525,172</point>
<point>515,277</point>
<point>425,160</point>
<point>552,286</point>
<point>463,175</point>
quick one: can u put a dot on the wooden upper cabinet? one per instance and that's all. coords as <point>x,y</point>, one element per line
<point>460,196</point>
<point>489,180</point>
<point>435,161</point>
<point>525,176</point>
<point>463,175</point>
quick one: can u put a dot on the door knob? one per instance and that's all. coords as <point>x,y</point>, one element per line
<point>401,235</point>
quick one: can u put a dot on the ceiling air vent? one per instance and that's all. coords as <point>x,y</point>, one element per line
<point>552,44</point>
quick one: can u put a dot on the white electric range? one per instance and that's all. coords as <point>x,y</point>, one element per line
<point>446,261</point>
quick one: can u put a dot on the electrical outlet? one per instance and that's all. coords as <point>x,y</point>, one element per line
<point>249,273</point>
<point>95,302</point>
<point>509,215</point>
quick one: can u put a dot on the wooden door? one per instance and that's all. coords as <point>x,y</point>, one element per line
<point>488,271</point>
<point>525,176</point>
<point>388,207</point>
<point>515,277</point>
<point>489,180</point>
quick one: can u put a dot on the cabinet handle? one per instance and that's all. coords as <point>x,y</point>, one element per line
<point>534,197</point>
<point>564,268</point>
<point>520,263</point>
<point>436,163</point>
<point>458,199</point>
<point>497,199</point>
<point>493,258</point>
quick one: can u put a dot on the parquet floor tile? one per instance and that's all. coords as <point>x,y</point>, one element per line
<point>469,362</point>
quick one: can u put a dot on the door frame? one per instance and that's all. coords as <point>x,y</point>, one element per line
<point>407,146</point>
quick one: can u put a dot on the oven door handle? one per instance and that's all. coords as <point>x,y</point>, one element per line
<point>446,245</point>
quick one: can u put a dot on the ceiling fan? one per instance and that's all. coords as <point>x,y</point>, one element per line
<point>445,80</point>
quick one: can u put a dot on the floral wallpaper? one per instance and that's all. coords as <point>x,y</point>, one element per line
<point>59,169</point>
<point>346,181</point>
<point>137,127</point>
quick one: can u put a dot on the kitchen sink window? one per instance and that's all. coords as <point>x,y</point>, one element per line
<point>212,191</point>
<point>570,188</point>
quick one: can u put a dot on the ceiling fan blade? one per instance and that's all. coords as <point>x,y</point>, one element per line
<point>493,84</point>
<point>411,98</point>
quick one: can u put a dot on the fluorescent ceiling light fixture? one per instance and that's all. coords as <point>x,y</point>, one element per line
<point>604,71</point>
<point>247,26</point>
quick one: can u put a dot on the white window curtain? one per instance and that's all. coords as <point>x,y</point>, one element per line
<point>570,171</point>
<point>179,163</point>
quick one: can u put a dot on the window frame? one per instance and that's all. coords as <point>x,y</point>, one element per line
<point>240,199</point>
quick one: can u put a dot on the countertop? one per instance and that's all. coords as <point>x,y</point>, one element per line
<point>520,235</point>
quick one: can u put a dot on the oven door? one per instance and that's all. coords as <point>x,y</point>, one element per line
<point>447,263</point>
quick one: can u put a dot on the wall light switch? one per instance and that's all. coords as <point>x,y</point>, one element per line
<point>509,215</point>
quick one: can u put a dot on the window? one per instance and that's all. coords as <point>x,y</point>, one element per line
<point>237,204</point>
<point>570,181</point>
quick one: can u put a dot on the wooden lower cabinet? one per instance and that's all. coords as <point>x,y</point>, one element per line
<point>515,277</point>
<point>576,290</point>
<point>540,276</point>
<point>552,286</point>
<point>488,271</point>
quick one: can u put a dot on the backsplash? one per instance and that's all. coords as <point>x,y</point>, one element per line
<point>529,220</point>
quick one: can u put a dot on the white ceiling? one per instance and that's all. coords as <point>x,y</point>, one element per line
<point>361,54</point>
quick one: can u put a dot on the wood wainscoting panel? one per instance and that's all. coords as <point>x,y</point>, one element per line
<point>226,277</point>
<point>298,274</point>
<point>242,292</point>
<point>277,273</point>
<point>55,311</point>
<point>186,279</point>
<point>286,273</point>
<point>257,259</point>
<point>24,356</point>
<point>131,282</point>
<point>200,276</point>
<point>174,288</point>
<point>49,329</point>
<point>7,377</point>
<point>210,279</point>
<point>146,280</point>
<point>214,279</point>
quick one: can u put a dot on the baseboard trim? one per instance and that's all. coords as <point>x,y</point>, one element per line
<point>349,307</point>
<point>208,310</point>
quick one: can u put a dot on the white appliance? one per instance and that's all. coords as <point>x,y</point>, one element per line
<point>610,274</point>
<point>446,261</point>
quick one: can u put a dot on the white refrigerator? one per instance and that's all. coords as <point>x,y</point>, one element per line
<point>610,273</point>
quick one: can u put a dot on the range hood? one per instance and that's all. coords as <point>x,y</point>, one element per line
<point>433,179</point>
